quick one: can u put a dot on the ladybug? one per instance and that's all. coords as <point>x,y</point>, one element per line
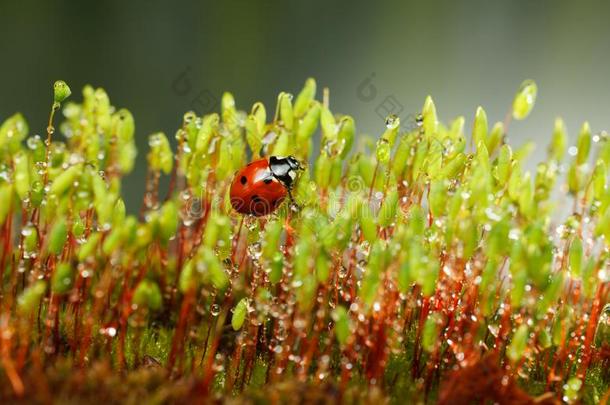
<point>260,187</point>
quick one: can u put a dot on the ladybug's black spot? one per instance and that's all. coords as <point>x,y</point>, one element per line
<point>243,180</point>
<point>268,180</point>
<point>256,198</point>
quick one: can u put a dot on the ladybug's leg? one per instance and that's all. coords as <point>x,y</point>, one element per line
<point>293,202</point>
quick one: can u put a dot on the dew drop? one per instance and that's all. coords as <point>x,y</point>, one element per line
<point>392,121</point>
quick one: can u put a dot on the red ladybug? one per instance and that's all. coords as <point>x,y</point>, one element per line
<point>260,187</point>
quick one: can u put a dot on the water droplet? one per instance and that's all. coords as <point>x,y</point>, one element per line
<point>392,121</point>
<point>189,117</point>
<point>572,150</point>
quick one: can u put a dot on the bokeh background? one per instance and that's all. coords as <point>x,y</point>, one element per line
<point>160,59</point>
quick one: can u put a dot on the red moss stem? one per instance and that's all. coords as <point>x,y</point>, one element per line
<point>178,338</point>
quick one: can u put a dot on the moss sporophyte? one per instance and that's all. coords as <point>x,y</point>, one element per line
<point>404,267</point>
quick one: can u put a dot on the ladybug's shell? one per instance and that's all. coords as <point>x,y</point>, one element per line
<point>255,191</point>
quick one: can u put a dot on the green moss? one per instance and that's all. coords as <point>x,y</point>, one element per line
<point>401,262</point>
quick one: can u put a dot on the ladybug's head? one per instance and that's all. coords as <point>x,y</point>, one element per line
<point>294,163</point>
<point>285,169</point>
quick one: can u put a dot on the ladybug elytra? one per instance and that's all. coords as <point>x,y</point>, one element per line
<point>260,187</point>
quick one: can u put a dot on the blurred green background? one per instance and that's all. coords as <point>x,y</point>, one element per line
<point>160,59</point>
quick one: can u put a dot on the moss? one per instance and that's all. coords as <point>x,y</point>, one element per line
<point>402,267</point>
